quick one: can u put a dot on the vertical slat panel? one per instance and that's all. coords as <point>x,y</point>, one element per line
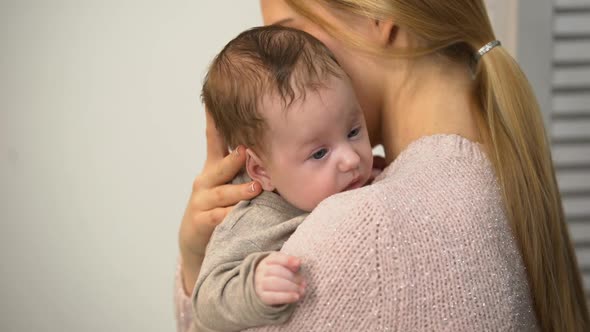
<point>572,128</point>
<point>565,103</point>
<point>570,123</point>
<point>573,78</point>
<point>571,51</point>
<point>567,4</point>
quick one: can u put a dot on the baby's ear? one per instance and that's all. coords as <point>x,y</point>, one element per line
<point>257,171</point>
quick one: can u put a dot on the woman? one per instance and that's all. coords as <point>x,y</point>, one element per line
<point>465,229</point>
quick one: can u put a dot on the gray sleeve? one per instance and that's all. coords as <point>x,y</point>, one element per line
<point>226,299</point>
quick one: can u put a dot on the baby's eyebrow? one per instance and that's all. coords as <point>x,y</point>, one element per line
<point>309,142</point>
<point>354,114</point>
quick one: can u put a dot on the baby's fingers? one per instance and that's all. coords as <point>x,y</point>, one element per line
<point>279,298</point>
<point>283,273</point>
<point>275,284</point>
<point>277,258</point>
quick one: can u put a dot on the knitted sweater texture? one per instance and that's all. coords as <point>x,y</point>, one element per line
<point>427,247</point>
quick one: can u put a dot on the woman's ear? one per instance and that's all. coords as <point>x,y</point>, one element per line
<point>384,32</point>
<point>257,171</point>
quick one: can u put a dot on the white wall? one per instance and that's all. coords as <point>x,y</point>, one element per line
<point>101,134</point>
<point>504,17</point>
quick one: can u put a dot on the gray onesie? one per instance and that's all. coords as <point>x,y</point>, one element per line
<point>224,298</point>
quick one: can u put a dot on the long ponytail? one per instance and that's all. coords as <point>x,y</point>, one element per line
<point>521,156</point>
<point>513,133</point>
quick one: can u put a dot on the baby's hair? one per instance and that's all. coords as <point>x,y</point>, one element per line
<point>261,63</point>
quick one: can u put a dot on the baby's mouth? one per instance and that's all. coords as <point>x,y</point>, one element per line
<point>356,183</point>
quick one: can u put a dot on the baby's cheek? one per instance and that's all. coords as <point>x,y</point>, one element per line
<point>329,188</point>
<point>321,190</point>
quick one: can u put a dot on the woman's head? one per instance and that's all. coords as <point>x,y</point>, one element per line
<point>376,42</point>
<point>382,43</point>
<point>360,67</point>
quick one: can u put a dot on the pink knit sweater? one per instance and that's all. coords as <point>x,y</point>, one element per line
<point>427,247</point>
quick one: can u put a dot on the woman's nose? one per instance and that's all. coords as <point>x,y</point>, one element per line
<point>349,161</point>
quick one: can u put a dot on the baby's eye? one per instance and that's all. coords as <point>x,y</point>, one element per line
<point>354,132</point>
<point>319,154</point>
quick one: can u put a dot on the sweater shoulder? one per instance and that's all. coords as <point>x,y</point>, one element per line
<point>426,243</point>
<point>435,177</point>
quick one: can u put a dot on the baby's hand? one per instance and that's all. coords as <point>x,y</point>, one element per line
<point>277,279</point>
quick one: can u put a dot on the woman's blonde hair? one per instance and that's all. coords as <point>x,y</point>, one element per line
<point>513,133</point>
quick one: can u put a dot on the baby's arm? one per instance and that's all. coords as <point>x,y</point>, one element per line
<point>227,300</point>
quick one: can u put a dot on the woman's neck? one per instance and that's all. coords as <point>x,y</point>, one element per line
<point>435,98</point>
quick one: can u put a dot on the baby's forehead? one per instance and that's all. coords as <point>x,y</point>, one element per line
<point>278,111</point>
<point>317,114</point>
<point>301,94</point>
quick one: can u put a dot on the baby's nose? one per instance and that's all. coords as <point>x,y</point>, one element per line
<point>350,161</point>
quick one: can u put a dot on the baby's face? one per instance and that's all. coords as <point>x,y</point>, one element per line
<point>319,146</point>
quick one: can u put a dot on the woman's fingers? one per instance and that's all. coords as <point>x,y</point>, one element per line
<point>226,195</point>
<point>196,228</point>
<point>211,199</point>
<point>215,217</point>
<point>222,171</point>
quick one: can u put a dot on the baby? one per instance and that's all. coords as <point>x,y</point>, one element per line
<point>281,93</point>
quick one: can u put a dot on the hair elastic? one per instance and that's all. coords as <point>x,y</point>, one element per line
<point>487,47</point>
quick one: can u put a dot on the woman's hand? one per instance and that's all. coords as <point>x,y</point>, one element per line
<point>211,199</point>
